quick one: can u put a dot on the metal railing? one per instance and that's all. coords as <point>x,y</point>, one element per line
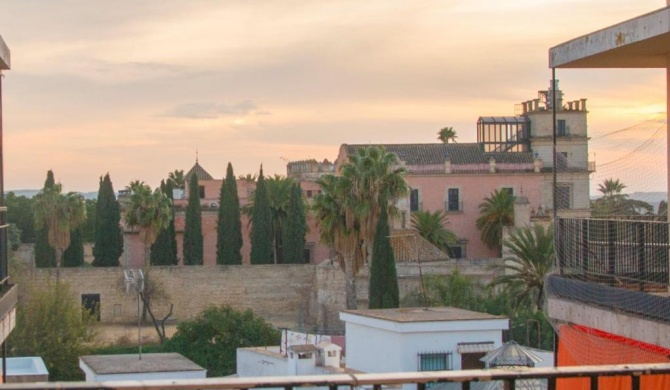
<point>615,252</point>
<point>467,378</point>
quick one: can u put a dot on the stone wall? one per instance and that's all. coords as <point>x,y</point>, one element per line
<point>304,296</point>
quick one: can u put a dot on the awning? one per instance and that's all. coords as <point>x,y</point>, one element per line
<point>484,347</point>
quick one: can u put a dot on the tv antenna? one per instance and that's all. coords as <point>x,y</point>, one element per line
<point>134,279</point>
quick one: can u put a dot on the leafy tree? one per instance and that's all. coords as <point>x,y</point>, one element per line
<point>164,249</point>
<point>60,214</point>
<point>349,206</point>
<point>108,245</point>
<point>73,256</point>
<point>447,134</point>
<point>45,255</point>
<point>177,179</point>
<point>432,227</point>
<point>88,228</point>
<point>147,211</point>
<point>212,338</point>
<point>193,250</point>
<point>14,237</point>
<point>614,203</point>
<point>229,224</point>
<point>261,225</point>
<point>383,287</point>
<point>662,211</point>
<point>527,325</point>
<point>295,228</point>
<point>20,214</point>
<point>50,324</point>
<point>496,212</point>
<point>532,250</point>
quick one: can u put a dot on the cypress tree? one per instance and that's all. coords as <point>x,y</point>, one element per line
<point>164,249</point>
<point>229,224</point>
<point>261,225</point>
<point>108,245</point>
<point>383,293</point>
<point>193,225</point>
<point>45,255</point>
<point>296,228</point>
<point>73,256</point>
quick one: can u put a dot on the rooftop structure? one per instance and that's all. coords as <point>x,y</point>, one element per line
<point>99,368</point>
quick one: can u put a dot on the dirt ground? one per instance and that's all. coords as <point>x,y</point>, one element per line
<point>126,334</point>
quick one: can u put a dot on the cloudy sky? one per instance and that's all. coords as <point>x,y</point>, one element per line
<point>134,88</point>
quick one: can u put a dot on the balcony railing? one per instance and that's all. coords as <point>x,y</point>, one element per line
<point>467,378</point>
<point>629,254</point>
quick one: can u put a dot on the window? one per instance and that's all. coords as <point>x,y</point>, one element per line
<point>308,252</point>
<point>414,200</point>
<point>201,189</point>
<point>91,303</point>
<point>332,353</point>
<point>563,197</point>
<point>561,128</point>
<point>454,200</point>
<point>456,251</point>
<point>471,361</point>
<point>309,193</point>
<point>440,361</point>
<point>509,190</point>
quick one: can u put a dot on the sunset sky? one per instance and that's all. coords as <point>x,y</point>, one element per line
<point>134,88</point>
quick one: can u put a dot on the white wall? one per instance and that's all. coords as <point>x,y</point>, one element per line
<point>373,350</point>
<point>251,362</point>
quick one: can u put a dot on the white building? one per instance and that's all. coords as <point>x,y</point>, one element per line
<point>420,339</point>
<point>101,368</point>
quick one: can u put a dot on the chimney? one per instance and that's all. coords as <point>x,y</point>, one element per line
<point>583,104</point>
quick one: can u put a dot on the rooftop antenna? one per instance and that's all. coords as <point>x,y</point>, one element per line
<point>134,279</point>
<point>196,156</point>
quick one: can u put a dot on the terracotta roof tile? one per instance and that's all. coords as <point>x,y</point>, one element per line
<point>200,173</point>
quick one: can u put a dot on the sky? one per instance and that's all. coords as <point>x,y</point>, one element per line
<point>138,88</point>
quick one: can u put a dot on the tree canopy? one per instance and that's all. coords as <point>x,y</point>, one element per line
<point>495,212</point>
<point>45,255</point>
<point>432,227</point>
<point>447,134</point>
<point>615,203</point>
<point>261,224</point>
<point>108,245</point>
<point>295,228</point>
<point>211,339</point>
<point>229,224</point>
<point>164,249</point>
<point>148,212</point>
<point>383,287</point>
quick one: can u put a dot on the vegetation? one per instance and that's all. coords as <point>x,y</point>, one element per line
<point>88,228</point>
<point>212,338</point>
<point>349,206</point>
<point>447,134</point>
<point>496,212</point>
<point>261,225</point>
<point>149,212</point>
<point>193,249</point>
<point>229,224</point>
<point>50,324</point>
<point>60,214</point>
<point>295,228</point>
<point>432,227</point>
<point>45,255</point>
<point>532,250</point>
<point>615,203</point>
<point>108,245</point>
<point>383,287</point>
<point>527,325</point>
<point>164,249</point>
<point>20,214</point>
<point>176,178</point>
<point>14,237</point>
<point>73,256</point>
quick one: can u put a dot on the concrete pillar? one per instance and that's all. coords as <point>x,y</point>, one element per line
<point>447,166</point>
<point>492,165</point>
<point>521,212</point>
<point>537,165</point>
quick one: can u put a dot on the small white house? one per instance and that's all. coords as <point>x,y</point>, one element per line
<point>329,355</point>
<point>420,339</point>
<point>101,368</point>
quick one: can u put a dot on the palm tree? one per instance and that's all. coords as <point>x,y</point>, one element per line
<point>532,250</point>
<point>496,212</point>
<point>447,134</point>
<point>349,207</point>
<point>149,212</point>
<point>60,214</point>
<point>613,202</point>
<point>177,178</point>
<point>432,227</point>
